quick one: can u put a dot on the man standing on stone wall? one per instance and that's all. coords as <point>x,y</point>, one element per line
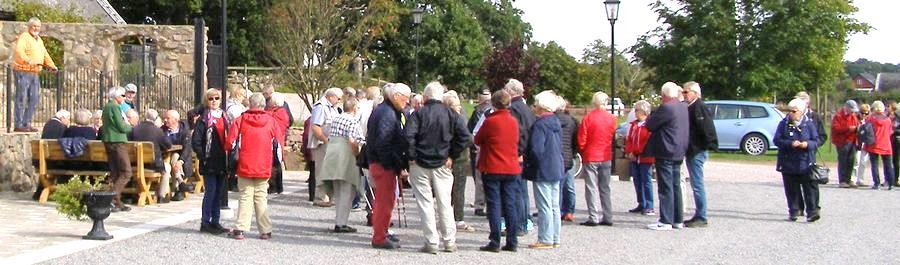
<point>30,57</point>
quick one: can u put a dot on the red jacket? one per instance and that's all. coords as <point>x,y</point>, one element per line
<point>257,129</point>
<point>638,135</point>
<point>841,131</point>
<point>595,136</point>
<point>882,127</point>
<point>281,117</point>
<point>498,141</point>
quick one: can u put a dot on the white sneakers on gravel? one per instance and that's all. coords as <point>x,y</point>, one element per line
<point>660,227</point>
<point>678,226</point>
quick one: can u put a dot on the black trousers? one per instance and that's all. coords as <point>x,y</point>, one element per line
<point>311,182</point>
<point>895,146</point>
<point>846,158</point>
<point>801,193</point>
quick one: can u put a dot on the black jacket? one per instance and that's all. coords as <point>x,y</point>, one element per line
<point>820,127</point>
<point>146,131</point>
<point>53,129</point>
<point>212,163</point>
<point>703,130</point>
<point>435,133</point>
<point>568,135</point>
<point>86,132</point>
<point>525,116</point>
<point>385,143</point>
<point>183,138</point>
<point>669,131</point>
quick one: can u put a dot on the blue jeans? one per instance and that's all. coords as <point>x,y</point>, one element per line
<point>695,169</point>
<point>28,93</point>
<point>567,194</point>
<point>546,199</point>
<point>888,170</point>
<point>501,193</point>
<point>643,184</point>
<point>669,185</point>
<point>523,205</point>
<point>214,186</point>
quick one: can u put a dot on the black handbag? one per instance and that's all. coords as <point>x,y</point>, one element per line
<point>233,155</point>
<point>362,160</point>
<point>818,172</point>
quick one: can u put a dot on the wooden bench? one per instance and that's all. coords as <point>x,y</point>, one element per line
<point>140,154</point>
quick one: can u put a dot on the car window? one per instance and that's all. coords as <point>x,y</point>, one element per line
<point>753,112</point>
<point>726,112</point>
<point>712,109</point>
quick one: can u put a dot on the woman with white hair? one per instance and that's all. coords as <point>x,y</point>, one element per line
<point>544,166</point>
<point>82,126</point>
<point>275,108</point>
<point>639,169</point>
<point>461,168</point>
<point>796,138</point>
<point>882,128</point>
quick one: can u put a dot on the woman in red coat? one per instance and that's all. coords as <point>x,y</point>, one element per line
<point>282,117</point>
<point>640,172</point>
<point>881,124</point>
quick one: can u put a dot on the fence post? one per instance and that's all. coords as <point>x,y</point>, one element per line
<point>9,97</point>
<point>171,92</point>
<point>59,90</point>
<point>102,79</point>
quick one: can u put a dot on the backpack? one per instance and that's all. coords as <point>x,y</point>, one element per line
<point>866,134</point>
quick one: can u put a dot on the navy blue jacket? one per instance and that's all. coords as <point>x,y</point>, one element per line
<point>86,132</point>
<point>670,131</point>
<point>795,160</point>
<point>525,117</point>
<point>544,157</point>
<point>385,143</point>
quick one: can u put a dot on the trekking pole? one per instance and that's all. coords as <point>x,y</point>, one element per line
<point>402,204</point>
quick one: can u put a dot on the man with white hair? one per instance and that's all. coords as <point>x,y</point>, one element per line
<point>478,113</point>
<point>703,138</point>
<point>595,139</point>
<point>114,135</point>
<point>147,131</point>
<point>30,58</point>
<point>816,118</point>
<point>669,126</point>
<point>56,126</point>
<point>268,90</point>
<point>323,113</point>
<point>525,118</point>
<point>180,164</point>
<point>431,156</point>
<point>386,155</point>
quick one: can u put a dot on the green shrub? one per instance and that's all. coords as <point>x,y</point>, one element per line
<point>69,199</point>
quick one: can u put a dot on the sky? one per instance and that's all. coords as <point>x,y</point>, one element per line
<point>574,24</point>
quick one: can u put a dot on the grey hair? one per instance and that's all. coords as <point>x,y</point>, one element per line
<point>349,92</point>
<point>115,92</point>
<point>670,90</point>
<point>451,99</point>
<point>800,104</point>
<point>361,94</point>
<point>373,92</point>
<point>547,100</point>
<point>97,114</point>
<point>131,113</point>
<point>643,106</point>
<point>268,89</point>
<point>276,99</point>
<point>64,114</point>
<point>434,90</point>
<point>334,92</point>
<point>514,87</point>
<point>82,117</point>
<point>392,89</point>
<point>34,21</point>
<point>692,86</point>
<point>151,115</point>
<point>257,101</point>
<point>173,114</point>
<point>600,99</point>
<point>878,106</point>
<point>350,104</point>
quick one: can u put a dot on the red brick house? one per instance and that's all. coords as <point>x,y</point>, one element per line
<point>864,82</point>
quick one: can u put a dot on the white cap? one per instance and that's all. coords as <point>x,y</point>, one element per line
<point>130,88</point>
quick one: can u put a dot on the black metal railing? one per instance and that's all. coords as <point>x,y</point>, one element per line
<point>76,88</point>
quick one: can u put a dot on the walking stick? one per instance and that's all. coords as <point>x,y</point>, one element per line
<point>405,220</point>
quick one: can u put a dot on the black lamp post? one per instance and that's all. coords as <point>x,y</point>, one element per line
<point>612,14</point>
<point>417,19</point>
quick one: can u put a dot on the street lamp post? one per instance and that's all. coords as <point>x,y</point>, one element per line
<point>612,14</point>
<point>417,19</point>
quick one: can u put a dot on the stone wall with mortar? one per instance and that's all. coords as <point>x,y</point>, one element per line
<point>95,45</point>
<point>16,171</point>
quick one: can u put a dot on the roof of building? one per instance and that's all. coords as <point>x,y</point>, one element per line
<point>869,77</point>
<point>888,81</point>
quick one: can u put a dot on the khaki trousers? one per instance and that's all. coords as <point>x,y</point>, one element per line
<point>324,189</point>
<point>439,180</point>
<point>253,192</point>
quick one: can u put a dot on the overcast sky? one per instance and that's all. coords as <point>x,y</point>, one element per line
<point>573,24</point>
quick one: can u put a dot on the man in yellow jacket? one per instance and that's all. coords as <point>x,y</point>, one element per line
<point>30,58</point>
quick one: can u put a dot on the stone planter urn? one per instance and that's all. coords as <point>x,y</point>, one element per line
<point>98,209</point>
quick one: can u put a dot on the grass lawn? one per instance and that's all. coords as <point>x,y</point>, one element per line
<point>827,153</point>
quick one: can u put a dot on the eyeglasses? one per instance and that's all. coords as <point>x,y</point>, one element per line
<point>864,113</point>
<point>685,92</point>
<point>794,111</point>
<point>213,98</point>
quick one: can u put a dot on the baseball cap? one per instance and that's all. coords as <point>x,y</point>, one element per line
<point>130,88</point>
<point>851,104</point>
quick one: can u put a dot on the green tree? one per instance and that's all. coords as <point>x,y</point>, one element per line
<point>501,21</point>
<point>47,14</point>
<point>560,72</point>
<point>165,12</point>
<point>750,49</point>
<point>631,78</point>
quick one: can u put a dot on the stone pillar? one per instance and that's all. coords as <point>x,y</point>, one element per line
<point>16,171</point>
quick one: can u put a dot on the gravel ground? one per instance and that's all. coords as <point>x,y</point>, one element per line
<point>747,225</point>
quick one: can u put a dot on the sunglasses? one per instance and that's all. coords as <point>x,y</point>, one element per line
<point>864,113</point>
<point>795,111</point>
<point>213,98</point>
<point>685,92</point>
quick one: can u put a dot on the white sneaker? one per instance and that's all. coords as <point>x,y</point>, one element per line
<point>678,226</point>
<point>660,227</point>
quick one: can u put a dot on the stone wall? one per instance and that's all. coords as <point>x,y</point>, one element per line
<point>95,45</point>
<point>16,172</point>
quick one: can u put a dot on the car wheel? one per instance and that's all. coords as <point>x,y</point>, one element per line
<point>754,144</point>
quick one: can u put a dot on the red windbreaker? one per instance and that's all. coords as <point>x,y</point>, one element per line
<point>257,130</point>
<point>595,135</point>
<point>882,127</point>
<point>638,135</point>
<point>843,128</point>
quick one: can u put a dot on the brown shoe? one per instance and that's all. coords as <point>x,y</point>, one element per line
<point>32,129</point>
<point>21,130</point>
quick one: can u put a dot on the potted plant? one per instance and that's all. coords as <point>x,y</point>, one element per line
<point>78,198</point>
